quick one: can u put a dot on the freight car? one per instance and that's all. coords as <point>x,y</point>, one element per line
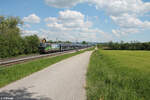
<point>58,47</point>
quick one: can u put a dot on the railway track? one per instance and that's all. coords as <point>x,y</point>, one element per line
<point>25,59</point>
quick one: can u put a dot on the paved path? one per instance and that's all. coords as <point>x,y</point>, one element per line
<point>62,81</point>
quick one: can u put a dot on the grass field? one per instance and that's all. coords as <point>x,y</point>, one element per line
<point>119,75</point>
<point>16,72</point>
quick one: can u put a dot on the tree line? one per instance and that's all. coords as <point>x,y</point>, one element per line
<point>11,41</point>
<point>135,45</point>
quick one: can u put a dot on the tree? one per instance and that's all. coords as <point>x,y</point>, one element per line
<point>10,36</point>
<point>31,43</point>
<point>84,42</point>
<point>8,24</point>
<point>67,42</point>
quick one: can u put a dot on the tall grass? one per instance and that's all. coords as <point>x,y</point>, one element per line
<point>119,75</point>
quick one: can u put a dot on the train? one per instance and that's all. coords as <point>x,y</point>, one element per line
<point>45,47</point>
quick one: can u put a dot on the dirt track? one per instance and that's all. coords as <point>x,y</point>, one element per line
<point>62,81</point>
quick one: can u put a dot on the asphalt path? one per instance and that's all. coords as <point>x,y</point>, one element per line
<point>64,80</point>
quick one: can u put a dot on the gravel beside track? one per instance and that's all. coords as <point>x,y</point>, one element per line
<point>64,80</point>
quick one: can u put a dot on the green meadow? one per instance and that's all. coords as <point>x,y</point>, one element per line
<point>119,75</point>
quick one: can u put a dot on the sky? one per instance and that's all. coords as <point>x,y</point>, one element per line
<point>82,20</point>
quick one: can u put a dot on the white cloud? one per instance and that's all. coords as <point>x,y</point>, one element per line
<point>117,7</point>
<point>26,26</point>
<point>89,35</point>
<point>124,31</point>
<point>129,21</point>
<point>72,25</point>
<point>113,7</point>
<point>69,25</point>
<point>29,32</point>
<point>68,20</point>
<point>115,32</point>
<point>129,24</point>
<point>33,18</point>
<point>50,19</point>
<point>63,3</point>
<point>71,15</point>
<point>125,13</point>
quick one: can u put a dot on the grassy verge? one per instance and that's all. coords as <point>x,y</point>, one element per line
<point>119,75</point>
<point>16,72</point>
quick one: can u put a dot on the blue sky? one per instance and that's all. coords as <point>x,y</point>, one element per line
<point>78,20</point>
